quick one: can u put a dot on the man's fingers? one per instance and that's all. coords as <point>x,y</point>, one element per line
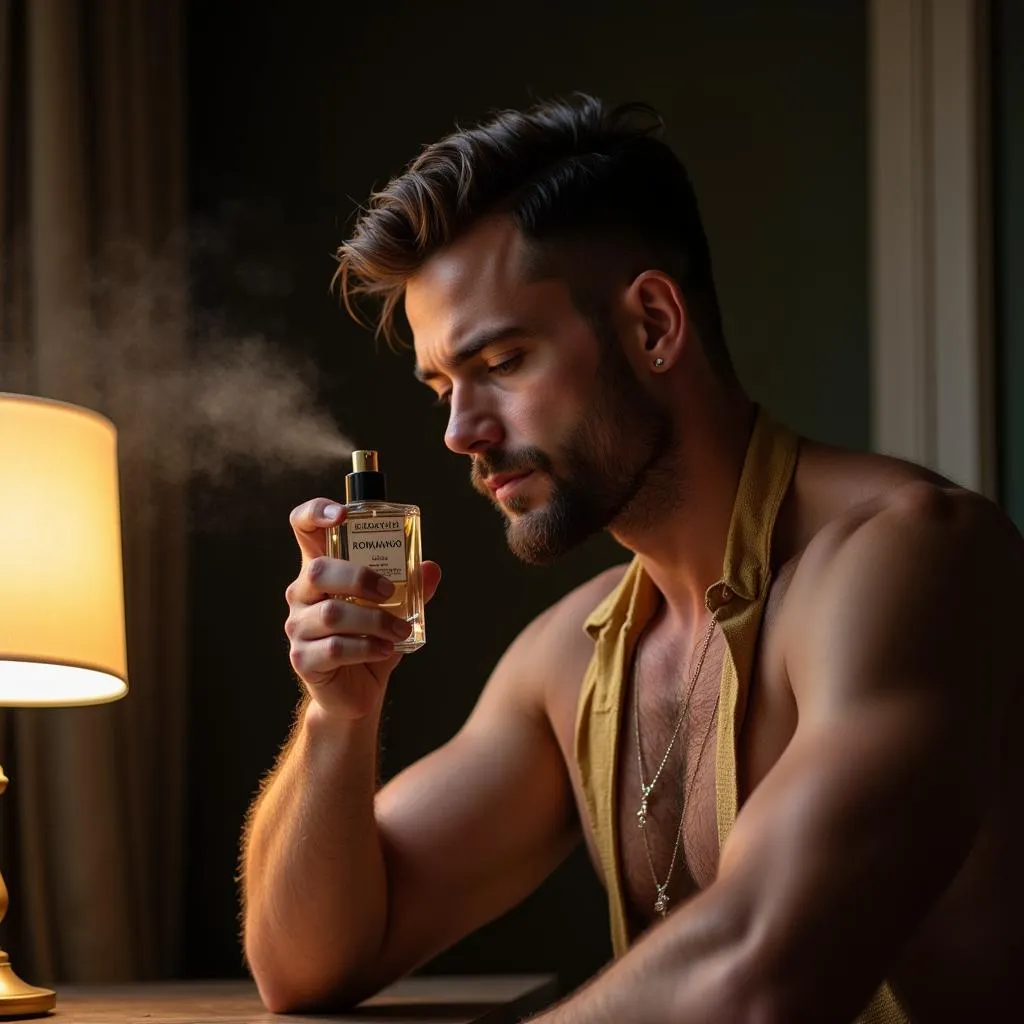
<point>334,617</point>
<point>311,519</point>
<point>315,514</point>
<point>317,660</point>
<point>323,576</point>
<point>431,578</point>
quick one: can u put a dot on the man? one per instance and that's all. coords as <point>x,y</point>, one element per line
<point>783,731</point>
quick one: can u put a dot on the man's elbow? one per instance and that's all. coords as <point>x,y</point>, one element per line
<point>286,984</point>
<point>282,999</point>
<point>277,998</point>
<point>279,989</point>
<point>281,992</point>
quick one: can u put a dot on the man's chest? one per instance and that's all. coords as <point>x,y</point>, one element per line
<point>679,843</point>
<point>667,828</point>
<point>668,749</point>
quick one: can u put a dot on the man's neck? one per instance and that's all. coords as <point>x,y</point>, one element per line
<point>679,524</point>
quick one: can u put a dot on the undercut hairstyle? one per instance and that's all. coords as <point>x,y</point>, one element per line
<point>592,190</point>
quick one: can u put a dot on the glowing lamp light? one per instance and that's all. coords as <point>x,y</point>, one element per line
<point>62,635</point>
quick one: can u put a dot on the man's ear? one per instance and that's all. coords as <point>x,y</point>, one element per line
<point>657,308</point>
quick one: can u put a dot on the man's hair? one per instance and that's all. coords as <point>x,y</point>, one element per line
<point>581,182</point>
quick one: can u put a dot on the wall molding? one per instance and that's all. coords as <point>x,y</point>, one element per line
<point>932,381</point>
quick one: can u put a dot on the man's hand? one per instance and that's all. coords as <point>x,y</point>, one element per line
<point>342,651</point>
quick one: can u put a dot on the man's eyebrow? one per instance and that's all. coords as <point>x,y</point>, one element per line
<point>472,346</point>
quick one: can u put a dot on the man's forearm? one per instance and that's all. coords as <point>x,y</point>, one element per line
<point>695,968</point>
<point>314,880</point>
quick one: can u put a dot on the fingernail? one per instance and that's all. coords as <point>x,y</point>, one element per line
<point>331,511</point>
<point>400,628</point>
<point>385,586</point>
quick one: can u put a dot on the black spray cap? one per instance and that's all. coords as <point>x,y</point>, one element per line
<point>365,482</point>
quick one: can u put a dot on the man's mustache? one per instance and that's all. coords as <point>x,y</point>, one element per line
<point>522,460</point>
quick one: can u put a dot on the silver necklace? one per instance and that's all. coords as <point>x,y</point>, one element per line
<point>661,888</point>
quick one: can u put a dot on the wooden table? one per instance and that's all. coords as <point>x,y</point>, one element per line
<point>486,999</point>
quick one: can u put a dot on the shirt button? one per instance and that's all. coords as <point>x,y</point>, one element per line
<point>718,596</point>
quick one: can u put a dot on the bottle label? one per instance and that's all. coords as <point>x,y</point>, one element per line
<point>379,544</point>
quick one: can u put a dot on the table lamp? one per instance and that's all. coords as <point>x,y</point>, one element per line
<point>62,639</point>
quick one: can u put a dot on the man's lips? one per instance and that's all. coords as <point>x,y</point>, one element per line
<point>500,483</point>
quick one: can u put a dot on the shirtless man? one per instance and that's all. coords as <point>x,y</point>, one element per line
<point>820,639</point>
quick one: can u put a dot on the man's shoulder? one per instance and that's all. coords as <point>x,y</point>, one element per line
<point>564,620</point>
<point>575,607</point>
<point>936,520</point>
<point>554,645</point>
<point>543,667</point>
<point>921,562</point>
<point>866,501</point>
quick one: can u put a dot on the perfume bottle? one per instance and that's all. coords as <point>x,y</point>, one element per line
<point>385,537</point>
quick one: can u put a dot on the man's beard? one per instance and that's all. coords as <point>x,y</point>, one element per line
<point>607,457</point>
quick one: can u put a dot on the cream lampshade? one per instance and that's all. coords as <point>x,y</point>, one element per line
<point>62,638</point>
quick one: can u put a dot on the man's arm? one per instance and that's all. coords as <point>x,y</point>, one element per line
<point>900,674</point>
<point>349,889</point>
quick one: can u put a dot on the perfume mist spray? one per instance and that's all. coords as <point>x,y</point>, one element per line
<point>385,537</point>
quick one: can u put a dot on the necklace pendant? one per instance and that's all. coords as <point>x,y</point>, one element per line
<point>641,815</point>
<point>661,903</point>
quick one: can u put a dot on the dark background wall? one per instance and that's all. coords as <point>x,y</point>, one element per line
<point>296,111</point>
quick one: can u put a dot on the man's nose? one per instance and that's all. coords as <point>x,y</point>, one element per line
<point>472,427</point>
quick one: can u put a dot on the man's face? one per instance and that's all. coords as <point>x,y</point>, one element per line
<point>560,432</point>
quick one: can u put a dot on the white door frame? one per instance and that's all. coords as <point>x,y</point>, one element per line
<point>932,381</point>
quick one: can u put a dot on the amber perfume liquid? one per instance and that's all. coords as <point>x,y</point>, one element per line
<point>385,537</point>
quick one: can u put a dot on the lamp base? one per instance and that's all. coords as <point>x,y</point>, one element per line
<point>18,998</point>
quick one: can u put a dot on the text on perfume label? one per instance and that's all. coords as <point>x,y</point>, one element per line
<point>380,545</point>
<point>367,525</point>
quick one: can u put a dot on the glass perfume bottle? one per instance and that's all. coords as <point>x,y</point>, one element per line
<point>385,537</point>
